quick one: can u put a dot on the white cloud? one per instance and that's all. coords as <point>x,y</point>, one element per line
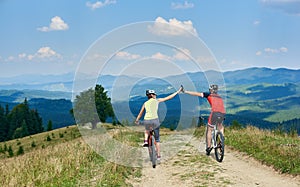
<point>161,56</point>
<point>258,53</point>
<point>184,55</point>
<point>57,24</point>
<point>11,58</point>
<point>173,27</point>
<point>256,22</point>
<point>268,51</point>
<point>44,53</point>
<point>283,49</point>
<point>22,55</point>
<point>100,4</point>
<point>127,56</point>
<point>184,5</point>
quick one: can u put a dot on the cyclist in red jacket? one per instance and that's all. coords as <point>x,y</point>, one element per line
<point>217,112</point>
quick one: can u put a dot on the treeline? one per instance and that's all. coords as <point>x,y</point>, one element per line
<point>291,126</point>
<point>19,122</point>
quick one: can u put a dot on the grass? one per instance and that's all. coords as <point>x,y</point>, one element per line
<point>61,157</point>
<point>280,151</point>
<point>41,140</point>
<point>62,161</point>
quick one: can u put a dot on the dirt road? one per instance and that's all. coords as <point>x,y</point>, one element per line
<point>191,167</point>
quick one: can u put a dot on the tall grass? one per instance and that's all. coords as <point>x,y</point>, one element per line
<point>61,163</point>
<point>278,150</point>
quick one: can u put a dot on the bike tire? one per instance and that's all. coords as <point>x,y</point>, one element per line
<point>220,148</point>
<point>154,154</point>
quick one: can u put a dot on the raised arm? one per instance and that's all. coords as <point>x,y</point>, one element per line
<point>169,96</point>
<point>140,114</point>
<point>199,94</point>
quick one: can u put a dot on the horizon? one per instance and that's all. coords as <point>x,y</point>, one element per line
<point>139,75</point>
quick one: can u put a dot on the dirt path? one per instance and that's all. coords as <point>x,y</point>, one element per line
<point>191,167</point>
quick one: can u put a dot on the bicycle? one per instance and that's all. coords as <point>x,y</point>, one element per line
<point>218,141</point>
<point>152,147</point>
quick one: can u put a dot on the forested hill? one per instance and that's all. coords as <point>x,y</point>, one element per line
<point>56,110</point>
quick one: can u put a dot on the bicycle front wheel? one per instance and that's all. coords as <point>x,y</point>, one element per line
<point>220,148</point>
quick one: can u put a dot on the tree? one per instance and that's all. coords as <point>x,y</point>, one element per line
<point>49,126</point>
<point>103,104</point>
<point>92,106</point>
<point>21,121</point>
<point>22,131</point>
<point>3,125</point>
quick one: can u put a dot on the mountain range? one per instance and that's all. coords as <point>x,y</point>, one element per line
<point>64,82</point>
<point>259,96</point>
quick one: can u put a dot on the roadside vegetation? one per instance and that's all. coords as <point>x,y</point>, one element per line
<point>274,148</point>
<point>59,158</point>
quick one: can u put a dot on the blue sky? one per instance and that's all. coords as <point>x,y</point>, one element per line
<point>52,36</point>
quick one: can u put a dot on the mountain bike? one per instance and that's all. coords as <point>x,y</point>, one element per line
<point>218,143</point>
<point>152,147</point>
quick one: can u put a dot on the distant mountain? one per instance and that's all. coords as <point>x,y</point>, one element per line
<point>65,82</point>
<point>18,96</point>
<point>36,79</point>
<point>56,110</point>
<point>262,75</point>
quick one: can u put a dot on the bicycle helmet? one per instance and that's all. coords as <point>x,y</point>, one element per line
<point>213,88</point>
<point>148,92</point>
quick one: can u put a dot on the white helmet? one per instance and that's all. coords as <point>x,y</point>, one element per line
<point>150,92</point>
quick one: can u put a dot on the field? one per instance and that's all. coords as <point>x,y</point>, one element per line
<point>61,161</point>
<point>62,158</point>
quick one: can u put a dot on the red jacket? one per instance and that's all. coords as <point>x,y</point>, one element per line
<point>216,102</point>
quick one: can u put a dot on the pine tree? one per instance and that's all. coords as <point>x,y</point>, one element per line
<point>22,121</point>
<point>49,126</point>
<point>3,125</point>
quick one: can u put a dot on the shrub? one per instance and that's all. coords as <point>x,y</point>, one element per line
<point>20,150</point>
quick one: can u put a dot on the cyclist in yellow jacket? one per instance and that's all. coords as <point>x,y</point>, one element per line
<point>151,116</point>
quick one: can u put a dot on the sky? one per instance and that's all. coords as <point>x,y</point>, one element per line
<point>55,36</point>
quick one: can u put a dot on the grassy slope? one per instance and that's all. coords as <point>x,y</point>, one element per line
<point>63,161</point>
<point>68,161</point>
<point>275,149</point>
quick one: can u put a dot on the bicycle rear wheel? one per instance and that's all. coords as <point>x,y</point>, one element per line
<point>152,150</point>
<point>220,149</point>
<point>154,154</point>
